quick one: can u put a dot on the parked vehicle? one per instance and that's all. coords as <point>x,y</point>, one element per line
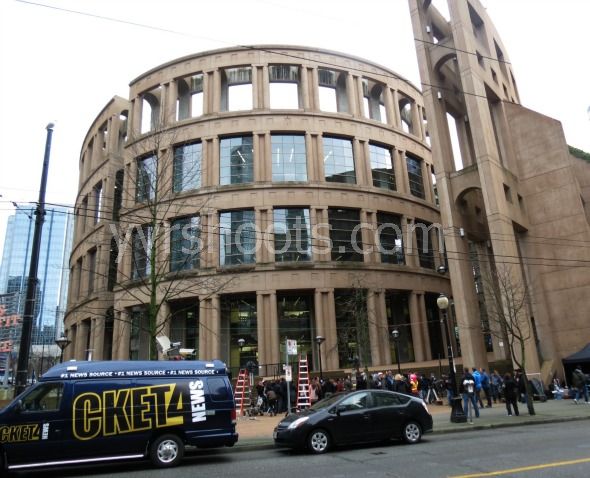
<point>355,417</point>
<point>84,412</point>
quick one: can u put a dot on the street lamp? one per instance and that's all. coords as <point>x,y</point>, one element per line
<point>241,343</point>
<point>457,414</point>
<point>395,335</point>
<point>320,340</point>
<point>62,342</point>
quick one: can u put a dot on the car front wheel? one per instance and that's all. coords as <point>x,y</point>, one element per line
<point>412,433</point>
<point>318,441</point>
<point>166,451</point>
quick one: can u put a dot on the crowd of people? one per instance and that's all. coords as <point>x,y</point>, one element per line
<point>474,386</point>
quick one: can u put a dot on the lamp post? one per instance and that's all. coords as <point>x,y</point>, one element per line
<point>62,342</point>
<point>241,343</point>
<point>457,414</point>
<point>395,335</point>
<point>320,340</point>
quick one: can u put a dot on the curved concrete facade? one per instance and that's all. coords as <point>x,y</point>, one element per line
<point>278,136</point>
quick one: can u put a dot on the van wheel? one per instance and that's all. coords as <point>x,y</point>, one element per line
<point>166,451</point>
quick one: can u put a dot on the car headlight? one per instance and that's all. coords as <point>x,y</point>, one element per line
<point>297,423</point>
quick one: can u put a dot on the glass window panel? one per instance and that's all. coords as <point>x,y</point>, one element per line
<point>142,244</point>
<point>390,236</point>
<point>382,167</point>
<point>292,238</point>
<point>236,160</point>
<point>238,238</point>
<point>185,243</point>
<point>187,167</point>
<point>424,244</point>
<point>415,176</point>
<point>284,96</point>
<point>338,160</point>
<point>346,240</point>
<point>146,179</point>
<point>328,100</point>
<point>289,160</point>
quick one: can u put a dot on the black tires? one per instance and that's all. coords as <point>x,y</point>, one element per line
<point>166,451</point>
<point>412,433</point>
<point>319,441</point>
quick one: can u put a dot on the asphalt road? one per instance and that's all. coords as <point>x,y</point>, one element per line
<point>557,450</point>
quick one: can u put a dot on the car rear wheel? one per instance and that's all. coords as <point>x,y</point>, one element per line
<point>318,441</point>
<point>412,433</point>
<point>166,451</point>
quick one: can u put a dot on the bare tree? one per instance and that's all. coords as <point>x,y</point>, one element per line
<point>163,237</point>
<point>507,303</point>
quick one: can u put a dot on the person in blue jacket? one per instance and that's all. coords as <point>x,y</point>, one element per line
<point>477,380</point>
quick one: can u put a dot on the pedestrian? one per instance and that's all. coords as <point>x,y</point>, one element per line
<point>477,380</point>
<point>468,393</point>
<point>522,388</point>
<point>400,385</point>
<point>486,386</point>
<point>510,389</point>
<point>496,380</point>
<point>449,389</point>
<point>579,383</point>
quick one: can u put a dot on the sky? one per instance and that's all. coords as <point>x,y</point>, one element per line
<point>63,67</point>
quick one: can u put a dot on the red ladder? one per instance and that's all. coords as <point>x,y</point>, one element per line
<point>242,392</point>
<point>303,398</point>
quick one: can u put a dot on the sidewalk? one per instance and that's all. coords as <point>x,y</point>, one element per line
<point>257,431</point>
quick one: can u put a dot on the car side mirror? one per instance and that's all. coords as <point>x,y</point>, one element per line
<point>340,409</point>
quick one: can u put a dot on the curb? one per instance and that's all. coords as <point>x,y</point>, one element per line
<point>251,444</point>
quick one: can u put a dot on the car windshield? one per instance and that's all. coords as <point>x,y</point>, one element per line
<point>327,402</point>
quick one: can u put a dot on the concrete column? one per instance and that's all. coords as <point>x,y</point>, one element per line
<point>170,97</point>
<point>397,123</point>
<point>389,109</point>
<point>97,339</point>
<point>367,235</point>
<point>211,238</point>
<point>215,84</point>
<point>402,181</point>
<point>306,93</point>
<point>311,159</point>
<point>417,340</point>
<point>315,91</point>
<point>320,234</point>
<point>360,163</point>
<point>378,329</point>
<point>163,324</point>
<point>209,327</point>
<point>135,117</point>
<point>426,182</point>
<point>351,95</point>
<point>268,328</point>
<point>264,240</point>
<point>365,157</point>
<point>424,326</point>
<point>326,326</point>
<point>264,88</point>
<point>82,332</point>
<point>416,120</point>
<point>410,242</point>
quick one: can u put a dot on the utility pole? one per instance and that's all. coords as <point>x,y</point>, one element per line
<point>22,367</point>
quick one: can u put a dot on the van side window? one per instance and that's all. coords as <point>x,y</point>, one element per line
<point>218,389</point>
<point>45,397</point>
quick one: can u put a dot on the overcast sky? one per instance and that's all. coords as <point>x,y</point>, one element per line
<point>63,67</point>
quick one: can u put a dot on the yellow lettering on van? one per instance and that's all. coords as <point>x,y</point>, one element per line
<point>127,410</point>
<point>87,416</point>
<point>19,433</point>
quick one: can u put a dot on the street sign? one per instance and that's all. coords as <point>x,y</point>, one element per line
<point>288,374</point>
<point>291,347</point>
